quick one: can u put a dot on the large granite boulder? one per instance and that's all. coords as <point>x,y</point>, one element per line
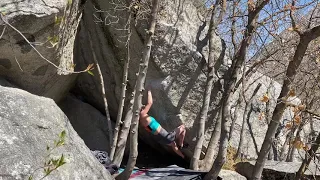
<point>277,170</point>
<point>28,124</point>
<point>172,64</point>
<point>173,75</point>
<point>38,21</point>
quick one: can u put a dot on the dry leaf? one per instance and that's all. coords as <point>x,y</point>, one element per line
<point>296,109</point>
<point>292,92</point>
<point>306,147</point>
<point>302,107</point>
<point>297,119</point>
<point>251,5</point>
<point>265,98</point>
<point>298,144</point>
<point>261,116</point>
<point>289,125</point>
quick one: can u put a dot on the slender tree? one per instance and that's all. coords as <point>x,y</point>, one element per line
<point>110,132</point>
<point>229,85</point>
<point>210,79</point>
<point>138,95</point>
<point>305,38</point>
<point>123,91</point>
<point>309,156</point>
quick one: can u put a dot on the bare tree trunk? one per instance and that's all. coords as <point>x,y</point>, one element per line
<point>309,156</point>
<point>297,137</point>
<point>123,92</point>
<point>123,134</point>
<point>305,39</point>
<point>138,95</point>
<point>283,148</point>
<point>229,85</point>
<point>207,162</point>
<point>234,117</point>
<point>110,133</point>
<point>194,164</point>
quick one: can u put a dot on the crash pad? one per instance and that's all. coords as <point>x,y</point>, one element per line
<point>168,173</point>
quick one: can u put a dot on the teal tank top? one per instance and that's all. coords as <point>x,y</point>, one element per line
<point>154,125</point>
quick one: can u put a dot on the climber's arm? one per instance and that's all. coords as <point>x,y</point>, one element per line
<point>149,104</point>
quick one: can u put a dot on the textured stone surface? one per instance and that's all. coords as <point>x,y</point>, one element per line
<point>89,123</point>
<point>170,69</point>
<point>277,170</point>
<point>230,175</point>
<point>19,62</point>
<point>173,64</point>
<point>28,123</point>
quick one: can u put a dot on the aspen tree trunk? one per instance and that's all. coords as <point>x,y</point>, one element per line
<point>229,85</point>
<point>138,95</point>
<point>123,93</point>
<point>194,164</point>
<point>123,134</point>
<point>110,132</point>
<point>304,39</point>
<point>207,162</point>
<point>234,117</point>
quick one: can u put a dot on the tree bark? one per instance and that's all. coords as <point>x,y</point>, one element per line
<point>110,133</point>
<point>293,148</point>
<point>123,92</point>
<point>194,164</point>
<point>67,33</point>
<point>138,95</point>
<point>207,162</point>
<point>234,117</point>
<point>309,156</point>
<point>229,88</point>
<point>123,134</point>
<point>304,40</point>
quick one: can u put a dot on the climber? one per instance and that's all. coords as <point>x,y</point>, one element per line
<point>174,139</point>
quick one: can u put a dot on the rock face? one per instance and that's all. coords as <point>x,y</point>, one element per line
<point>89,123</point>
<point>28,124</point>
<point>20,63</point>
<point>277,170</point>
<point>230,175</point>
<point>256,124</point>
<point>176,81</point>
<point>171,66</point>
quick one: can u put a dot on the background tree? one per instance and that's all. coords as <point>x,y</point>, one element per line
<point>305,37</point>
<point>139,87</point>
<point>210,79</point>
<point>230,82</point>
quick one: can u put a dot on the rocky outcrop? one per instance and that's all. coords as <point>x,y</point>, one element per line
<point>173,75</point>
<point>38,21</point>
<point>28,124</point>
<point>277,170</point>
<point>171,67</point>
<point>230,175</point>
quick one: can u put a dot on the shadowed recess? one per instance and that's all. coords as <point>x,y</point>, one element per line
<point>5,63</point>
